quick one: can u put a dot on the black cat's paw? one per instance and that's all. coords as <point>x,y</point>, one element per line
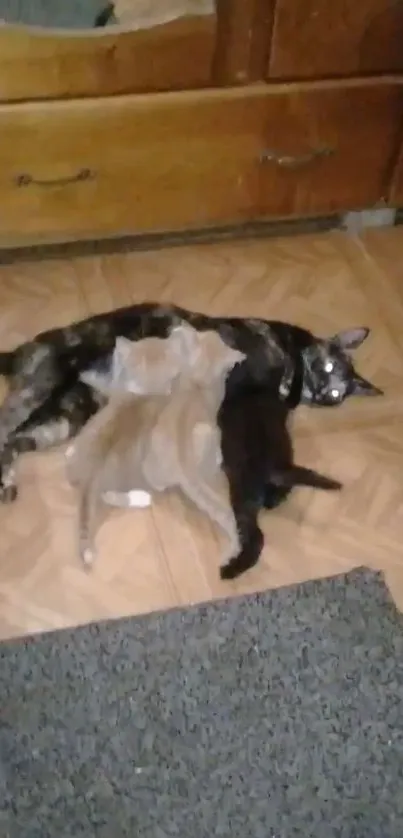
<point>230,570</point>
<point>273,496</point>
<point>246,559</point>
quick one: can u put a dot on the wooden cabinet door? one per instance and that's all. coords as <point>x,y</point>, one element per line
<point>243,40</point>
<point>319,38</point>
<point>329,146</point>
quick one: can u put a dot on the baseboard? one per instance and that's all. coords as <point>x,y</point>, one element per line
<point>154,241</point>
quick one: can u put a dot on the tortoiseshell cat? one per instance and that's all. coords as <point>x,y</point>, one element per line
<point>166,439</point>
<point>47,403</point>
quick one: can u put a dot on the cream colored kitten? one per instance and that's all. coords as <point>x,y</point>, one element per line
<point>166,440</point>
<point>141,367</point>
<point>148,366</point>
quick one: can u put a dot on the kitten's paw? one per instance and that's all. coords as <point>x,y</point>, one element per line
<point>87,557</point>
<point>134,499</point>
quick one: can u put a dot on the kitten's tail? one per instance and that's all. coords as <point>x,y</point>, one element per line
<point>301,476</point>
<point>88,513</point>
<point>7,363</point>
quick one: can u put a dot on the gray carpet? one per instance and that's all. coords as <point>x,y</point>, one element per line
<point>269,716</point>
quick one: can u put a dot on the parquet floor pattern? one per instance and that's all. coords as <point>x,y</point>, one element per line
<point>167,556</point>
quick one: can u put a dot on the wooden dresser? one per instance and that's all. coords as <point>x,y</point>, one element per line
<point>252,110</point>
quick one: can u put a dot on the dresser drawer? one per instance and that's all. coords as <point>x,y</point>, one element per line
<point>329,146</point>
<point>38,63</point>
<point>130,164</point>
<point>140,164</point>
<point>319,38</point>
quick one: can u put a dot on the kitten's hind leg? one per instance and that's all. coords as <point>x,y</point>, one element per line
<point>250,535</point>
<point>211,495</point>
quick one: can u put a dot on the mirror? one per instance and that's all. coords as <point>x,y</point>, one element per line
<point>63,14</point>
<point>90,14</point>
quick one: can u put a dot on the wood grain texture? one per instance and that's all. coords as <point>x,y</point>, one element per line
<point>320,38</point>
<point>192,160</point>
<point>169,555</point>
<point>243,40</point>
<point>56,64</point>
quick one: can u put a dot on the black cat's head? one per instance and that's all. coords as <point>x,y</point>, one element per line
<point>329,376</point>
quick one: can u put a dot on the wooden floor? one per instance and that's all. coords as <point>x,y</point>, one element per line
<point>170,555</point>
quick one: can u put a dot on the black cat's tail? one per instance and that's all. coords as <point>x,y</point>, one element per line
<point>301,476</point>
<point>7,363</point>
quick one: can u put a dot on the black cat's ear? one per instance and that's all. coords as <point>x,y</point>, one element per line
<point>361,387</point>
<point>351,338</point>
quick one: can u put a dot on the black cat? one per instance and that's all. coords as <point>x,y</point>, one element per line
<point>257,458</point>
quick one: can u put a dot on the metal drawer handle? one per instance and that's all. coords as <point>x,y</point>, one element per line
<point>28,180</point>
<point>290,162</point>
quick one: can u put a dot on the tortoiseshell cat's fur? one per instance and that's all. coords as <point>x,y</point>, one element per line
<point>47,404</point>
